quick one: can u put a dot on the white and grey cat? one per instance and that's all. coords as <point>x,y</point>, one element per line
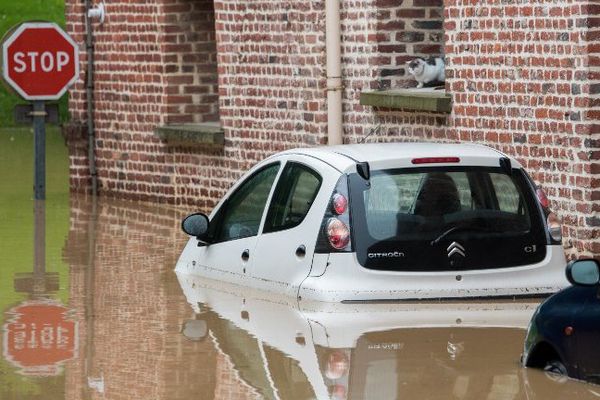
<point>425,71</point>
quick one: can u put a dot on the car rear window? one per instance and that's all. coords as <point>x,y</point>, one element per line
<point>413,219</point>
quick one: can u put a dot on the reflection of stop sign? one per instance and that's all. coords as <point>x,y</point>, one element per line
<point>40,61</point>
<point>39,338</point>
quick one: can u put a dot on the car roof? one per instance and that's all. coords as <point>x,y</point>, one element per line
<point>400,155</point>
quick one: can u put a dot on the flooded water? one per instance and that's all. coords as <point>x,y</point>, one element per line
<point>90,308</point>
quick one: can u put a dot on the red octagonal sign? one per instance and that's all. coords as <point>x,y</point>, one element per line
<point>40,61</point>
<point>39,338</point>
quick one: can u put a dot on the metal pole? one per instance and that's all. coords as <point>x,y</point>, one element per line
<point>89,45</point>
<point>39,154</point>
<point>333,45</point>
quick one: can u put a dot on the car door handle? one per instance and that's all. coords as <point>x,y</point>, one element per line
<point>245,315</point>
<point>245,255</point>
<point>301,251</point>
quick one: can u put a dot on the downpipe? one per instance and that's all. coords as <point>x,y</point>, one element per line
<point>334,71</point>
<point>89,86</point>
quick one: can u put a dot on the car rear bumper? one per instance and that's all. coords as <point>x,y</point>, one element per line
<point>345,280</point>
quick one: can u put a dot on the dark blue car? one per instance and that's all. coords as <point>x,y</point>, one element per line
<point>564,334</point>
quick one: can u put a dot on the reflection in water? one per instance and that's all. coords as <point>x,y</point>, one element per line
<point>130,306</point>
<point>37,332</point>
<point>419,351</point>
<point>39,337</point>
<point>407,363</point>
<point>141,332</point>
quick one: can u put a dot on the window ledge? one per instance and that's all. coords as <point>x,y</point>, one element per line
<point>425,99</point>
<point>204,134</point>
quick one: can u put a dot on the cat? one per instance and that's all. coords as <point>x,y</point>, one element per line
<point>430,72</point>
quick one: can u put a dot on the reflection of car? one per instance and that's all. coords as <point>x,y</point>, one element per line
<point>382,221</point>
<point>564,332</point>
<point>287,349</point>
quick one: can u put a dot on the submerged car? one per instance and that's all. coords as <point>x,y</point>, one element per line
<point>564,331</point>
<point>391,221</point>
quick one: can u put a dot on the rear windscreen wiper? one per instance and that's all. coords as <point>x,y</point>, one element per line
<point>460,228</point>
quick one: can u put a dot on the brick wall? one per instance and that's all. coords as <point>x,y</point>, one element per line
<point>518,76</point>
<point>189,54</point>
<point>155,64</point>
<point>379,36</point>
<point>523,76</point>
<point>396,32</point>
<point>271,78</point>
<point>590,230</point>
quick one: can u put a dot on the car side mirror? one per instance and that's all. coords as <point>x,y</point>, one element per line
<point>583,272</point>
<point>196,225</point>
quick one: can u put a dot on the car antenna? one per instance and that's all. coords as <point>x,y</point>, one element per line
<point>373,131</point>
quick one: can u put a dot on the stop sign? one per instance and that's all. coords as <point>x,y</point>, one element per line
<point>40,61</point>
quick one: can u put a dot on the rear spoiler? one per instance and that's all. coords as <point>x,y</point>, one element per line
<point>506,165</point>
<point>362,167</point>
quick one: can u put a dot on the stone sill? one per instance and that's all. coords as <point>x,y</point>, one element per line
<point>425,99</point>
<point>204,134</point>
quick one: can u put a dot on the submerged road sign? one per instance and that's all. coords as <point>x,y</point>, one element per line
<point>40,61</point>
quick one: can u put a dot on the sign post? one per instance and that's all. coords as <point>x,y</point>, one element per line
<point>39,61</point>
<point>39,143</point>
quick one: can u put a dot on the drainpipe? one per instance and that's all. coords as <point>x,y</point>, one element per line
<point>334,71</point>
<point>89,45</point>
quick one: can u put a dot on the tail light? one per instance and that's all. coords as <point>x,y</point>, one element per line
<point>337,365</point>
<point>554,227</point>
<point>334,365</point>
<point>339,392</point>
<point>542,198</point>
<point>339,203</point>
<point>338,234</point>
<point>552,220</point>
<point>435,160</point>
<point>335,231</point>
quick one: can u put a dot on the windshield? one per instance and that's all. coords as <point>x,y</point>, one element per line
<point>412,219</point>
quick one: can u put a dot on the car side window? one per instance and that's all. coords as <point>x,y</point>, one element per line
<point>294,195</point>
<point>241,214</point>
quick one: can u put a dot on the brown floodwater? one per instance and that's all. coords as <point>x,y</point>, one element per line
<point>91,309</point>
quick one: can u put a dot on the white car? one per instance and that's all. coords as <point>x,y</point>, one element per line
<point>372,222</point>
